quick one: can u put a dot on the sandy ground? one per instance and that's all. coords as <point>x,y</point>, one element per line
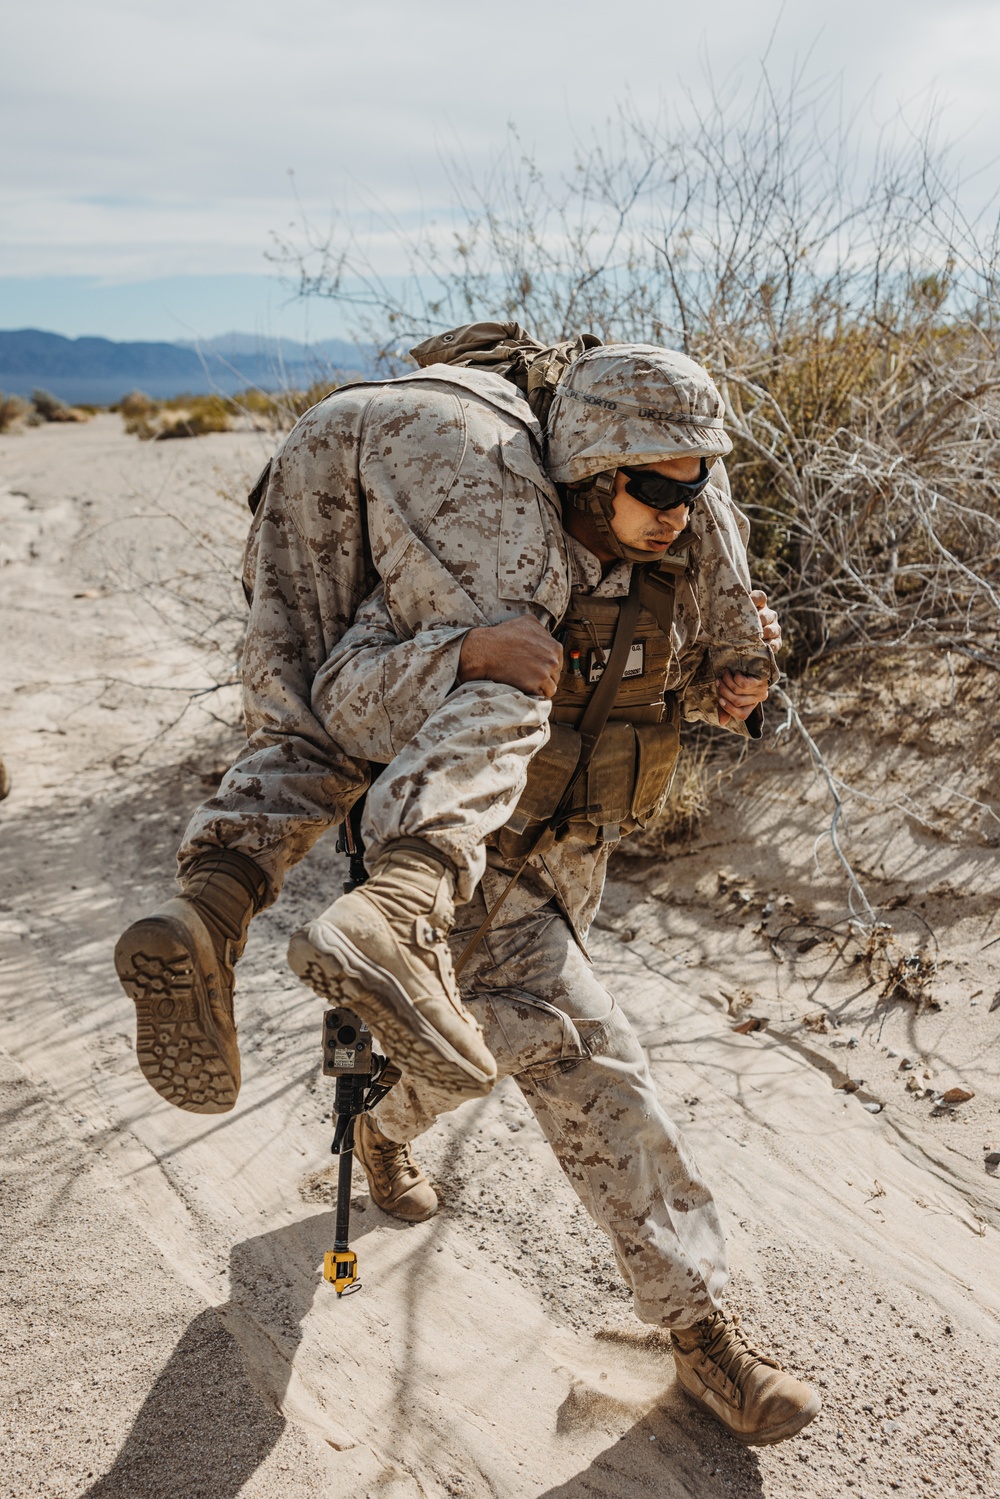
<point>166,1331</point>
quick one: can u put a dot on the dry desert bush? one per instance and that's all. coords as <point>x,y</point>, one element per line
<point>847,302</point>
<point>49,408</point>
<point>13,410</point>
<point>196,415</point>
<point>182,416</point>
<point>847,307</point>
<point>43,407</point>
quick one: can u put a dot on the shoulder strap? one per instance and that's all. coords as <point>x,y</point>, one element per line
<point>598,709</point>
<point>658,594</point>
<point>590,729</point>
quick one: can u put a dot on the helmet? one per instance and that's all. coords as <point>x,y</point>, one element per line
<point>629,404</point>
<point>635,403</point>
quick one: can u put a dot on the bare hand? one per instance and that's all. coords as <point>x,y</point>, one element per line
<point>520,652</point>
<point>769,621</point>
<point>739,695</point>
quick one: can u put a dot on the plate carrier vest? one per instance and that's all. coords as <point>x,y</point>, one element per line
<point>631,769</point>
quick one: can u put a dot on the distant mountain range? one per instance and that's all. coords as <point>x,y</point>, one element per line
<point>99,371</point>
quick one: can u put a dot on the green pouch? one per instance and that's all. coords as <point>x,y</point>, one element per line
<point>611,777</point>
<point>658,747</point>
<point>548,776</point>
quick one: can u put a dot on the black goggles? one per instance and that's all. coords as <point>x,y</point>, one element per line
<point>653,489</point>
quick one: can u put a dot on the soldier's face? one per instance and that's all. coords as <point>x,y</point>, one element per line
<point>640,526</point>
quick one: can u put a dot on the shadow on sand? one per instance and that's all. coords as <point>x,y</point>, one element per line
<point>207,1425</point>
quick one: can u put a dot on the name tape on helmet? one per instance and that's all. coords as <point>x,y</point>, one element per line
<point>645,413</point>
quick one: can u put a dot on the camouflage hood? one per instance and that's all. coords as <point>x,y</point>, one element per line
<point>635,404</point>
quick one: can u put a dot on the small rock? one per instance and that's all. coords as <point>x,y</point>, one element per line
<point>957,1095</point>
<point>912,1085</point>
<point>873,1107</point>
<point>627,935</point>
<point>853,1041</point>
<point>768,909</point>
<point>852,1084</point>
<point>905,1065</point>
<point>891,1053</point>
<point>889,1427</point>
<point>752,1023</point>
<point>993,1160</point>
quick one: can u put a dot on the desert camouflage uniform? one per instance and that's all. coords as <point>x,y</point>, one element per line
<point>555,1029</point>
<point>451,769</point>
<point>432,485</point>
<point>545,1017</point>
<point>325,695</point>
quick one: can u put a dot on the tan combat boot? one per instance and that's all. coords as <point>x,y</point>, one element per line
<point>177,966</point>
<point>749,1393</point>
<point>395,1181</point>
<point>382,950</point>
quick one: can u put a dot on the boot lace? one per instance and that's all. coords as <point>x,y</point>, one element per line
<point>722,1339</point>
<point>393,1160</point>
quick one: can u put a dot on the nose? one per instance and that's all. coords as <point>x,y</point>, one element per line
<point>675,518</point>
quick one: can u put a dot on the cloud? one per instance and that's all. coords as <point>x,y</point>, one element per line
<point>157,140</point>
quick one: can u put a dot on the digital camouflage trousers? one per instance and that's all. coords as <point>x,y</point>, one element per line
<point>560,1035</point>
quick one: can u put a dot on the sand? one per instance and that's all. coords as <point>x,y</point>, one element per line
<point>166,1330</point>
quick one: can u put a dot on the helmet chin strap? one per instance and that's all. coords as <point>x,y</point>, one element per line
<point>597,499</point>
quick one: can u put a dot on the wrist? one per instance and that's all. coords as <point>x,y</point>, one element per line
<point>471,662</point>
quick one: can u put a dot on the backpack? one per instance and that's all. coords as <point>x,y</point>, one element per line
<point>509,350</point>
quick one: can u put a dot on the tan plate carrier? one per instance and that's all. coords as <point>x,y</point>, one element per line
<point>615,732</point>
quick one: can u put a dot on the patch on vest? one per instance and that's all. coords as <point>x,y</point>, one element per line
<point>634,666</point>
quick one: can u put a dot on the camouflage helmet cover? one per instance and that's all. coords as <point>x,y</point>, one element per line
<point>634,404</point>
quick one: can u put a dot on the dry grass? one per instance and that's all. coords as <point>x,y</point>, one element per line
<point>13,411</point>
<point>49,408</point>
<point>195,415</point>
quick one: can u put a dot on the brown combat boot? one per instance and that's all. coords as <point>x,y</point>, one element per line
<point>382,950</point>
<point>748,1392</point>
<point>395,1181</point>
<point>177,966</point>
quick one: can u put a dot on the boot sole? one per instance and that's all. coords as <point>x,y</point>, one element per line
<point>780,1433</point>
<point>341,974</point>
<point>175,1040</point>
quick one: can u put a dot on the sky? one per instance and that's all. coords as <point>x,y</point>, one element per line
<point>153,151</point>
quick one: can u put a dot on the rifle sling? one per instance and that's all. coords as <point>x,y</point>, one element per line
<point>590,728</point>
